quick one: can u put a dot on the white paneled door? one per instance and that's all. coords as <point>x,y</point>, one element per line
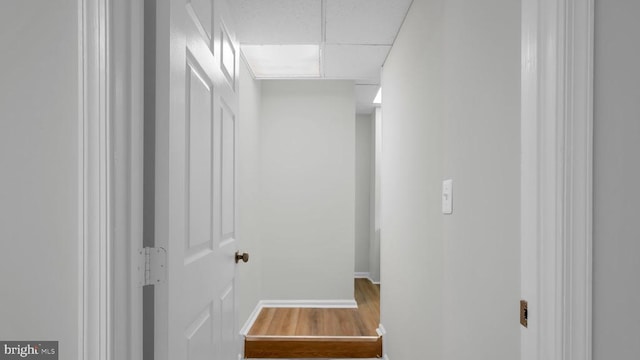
<point>196,133</point>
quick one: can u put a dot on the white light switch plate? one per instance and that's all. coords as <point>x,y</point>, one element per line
<point>447,196</point>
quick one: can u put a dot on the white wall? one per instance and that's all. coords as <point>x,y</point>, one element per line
<point>308,189</point>
<point>364,142</point>
<point>249,232</point>
<point>40,186</point>
<point>451,110</point>
<point>374,232</point>
<point>616,323</point>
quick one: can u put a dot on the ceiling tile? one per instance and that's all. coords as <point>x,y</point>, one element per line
<point>364,21</point>
<point>283,61</point>
<point>278,21</point>
<point>356,62</point>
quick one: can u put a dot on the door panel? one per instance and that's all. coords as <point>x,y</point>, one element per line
<point>228,56</point>
<point>228,335</point>
<point>199,98</point>
<point>228,173</point>
<point>198,336</point>
<point>201,13</point>
<point>195,181</point>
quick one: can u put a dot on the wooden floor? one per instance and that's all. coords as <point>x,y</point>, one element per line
<point>319,333</point>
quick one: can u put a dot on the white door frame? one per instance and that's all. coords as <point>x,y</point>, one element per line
<point>95,233</point>
<point>556,186</point>
<point>125,32</point>
<point>111,123</point>
<point>556,183</point>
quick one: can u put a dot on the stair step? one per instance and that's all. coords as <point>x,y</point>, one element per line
<point>287,347</point>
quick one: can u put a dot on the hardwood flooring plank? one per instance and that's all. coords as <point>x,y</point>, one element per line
<point>367,296</point>
<point>309,322</point>
<point>342,323</point>
<point>262,323</point>
<point>293,315</point>
<point>285,321</point>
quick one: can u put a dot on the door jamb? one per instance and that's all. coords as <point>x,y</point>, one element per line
<point>127,108</point>
<point>95,323</point>
<point>110,118</point>
<point>556,178</point>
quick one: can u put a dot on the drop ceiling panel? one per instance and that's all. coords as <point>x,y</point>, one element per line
<point>359,62</point>
<point>283,61</point>
<point>278,21</point>
<point>364,21</point>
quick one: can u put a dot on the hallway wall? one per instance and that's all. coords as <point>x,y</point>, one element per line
<point>308,189</point>
<point>249,232</point>
<point>40,158</point>
<point>616,322</point>
<point>364,143</point>
<point>451,110</point>
<point>374,215</point>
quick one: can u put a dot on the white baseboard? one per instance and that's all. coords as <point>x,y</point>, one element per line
<point>365,275</point>
<point>325,304</point>
<point>382,332</point>
<point>252,319</point>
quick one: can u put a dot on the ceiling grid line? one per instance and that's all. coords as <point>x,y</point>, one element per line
<point>320,39</point>
<point>404,18</point>
<point>323,35</point>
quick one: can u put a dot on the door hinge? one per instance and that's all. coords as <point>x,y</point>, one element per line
<point>152,266</point>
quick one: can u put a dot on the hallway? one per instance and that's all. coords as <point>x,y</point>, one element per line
<point>155,143</point>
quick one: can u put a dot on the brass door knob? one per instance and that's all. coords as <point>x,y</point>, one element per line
<point>244,257</point>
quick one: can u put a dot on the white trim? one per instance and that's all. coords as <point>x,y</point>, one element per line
<point>556,181</point>
<point>382,332</point>
<point>365,275</point>
<point>82,341</point>
<point>243,58</point>
<point>324,304</point>
<point>251,320</point>
<point>125,33</point>
<point>95,339</point>
<point>578,214</point>
<point>110,173</point>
